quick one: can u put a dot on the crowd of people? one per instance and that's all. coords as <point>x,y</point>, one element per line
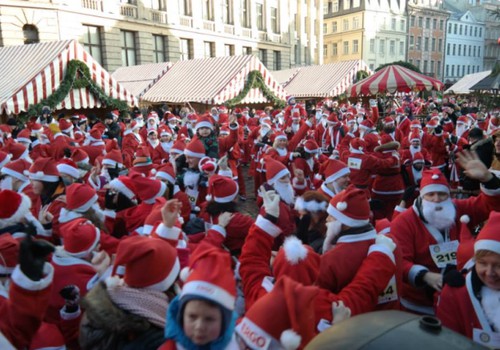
<point>125,232</point>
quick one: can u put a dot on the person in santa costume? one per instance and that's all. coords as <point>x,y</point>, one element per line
<point>161,152</point>
<point>348,239</point>
<point>311,228</point>
<point>293,107</point>
<point>131,141</point>
<point>336,177</point>
<point>434,223</point>
<point>94,145</point>
<point>473,308</point>
<point>128,309</point>
<point>68,171</point>
<point>222,193</point>
<point>202,316</point>
<point>214,145</point>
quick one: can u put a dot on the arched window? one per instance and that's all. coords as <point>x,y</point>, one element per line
<point>30,33</point>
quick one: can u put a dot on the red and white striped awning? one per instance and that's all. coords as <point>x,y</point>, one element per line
<point>31,73</point>
<point>212,81</point>
<point>326,80</point>
<point>139,79</point>
<point>393,79</point>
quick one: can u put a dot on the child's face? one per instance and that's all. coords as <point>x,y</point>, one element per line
<point>202,322</point>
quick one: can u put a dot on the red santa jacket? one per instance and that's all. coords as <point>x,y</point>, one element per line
<point>415,238</point>
<point>94,150</point>
<point>404,125</point>
<point>388,181</point>
<point>36,202</point>
<point>160,155</point>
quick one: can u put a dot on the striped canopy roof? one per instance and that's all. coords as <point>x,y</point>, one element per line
<point>394,79</point>
<point>31,73</point>
<point>464,85</point>
<point>212,81</point>
<point>138,79</point>
<point>325,80</point>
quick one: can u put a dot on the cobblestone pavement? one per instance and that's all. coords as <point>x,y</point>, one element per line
<point>249,206</point>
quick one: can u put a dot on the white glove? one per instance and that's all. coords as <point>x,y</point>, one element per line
<point>271,202</point>
<point>384,240</point>
<point>340,312</point>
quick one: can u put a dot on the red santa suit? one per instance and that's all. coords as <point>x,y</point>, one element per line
<point>161,153</point>
<point>403,125</point>
<point>60,142</point>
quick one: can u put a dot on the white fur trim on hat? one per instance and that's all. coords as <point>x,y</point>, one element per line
<point>487,244</point>
<point>337,175</point>
<point>311,206</point>
<point>184,274</point>
<point>345,219</point>
<point>229,198</point>
<point>290,339</point>
<point>87,205</point>
<point>17,175</point>
<point>166,176</point>
<point>111,163</point>
<point>434,188</point>
<point>203,124</point>
<point>278,176</point>
<point>22,210</point>
<point>295,251</point>
<point>254,337</point>
<point>209,291</point>
<point>193,154</point>
<point>163,188</point>
<point>120,186</point>
<point>68,170</point>
<point>6,160</point>
<point>40,176</point>
<point>281,136</point>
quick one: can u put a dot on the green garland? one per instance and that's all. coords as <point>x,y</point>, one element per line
<point>255,80</point>
<point>77,76</point>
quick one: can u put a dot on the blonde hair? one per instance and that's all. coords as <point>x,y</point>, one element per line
<point>483,253</point>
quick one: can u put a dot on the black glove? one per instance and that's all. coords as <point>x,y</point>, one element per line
<point>32,257</point>
<point>454,278</point>
<point>409,193</point>
<point>71,296</point>
<point>438,130</point>
<point>454,139</point>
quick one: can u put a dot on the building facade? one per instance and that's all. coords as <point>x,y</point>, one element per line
<point>426,36</point>
<point>283,33</point>
<point>371,30</point>
<point>464,52</point>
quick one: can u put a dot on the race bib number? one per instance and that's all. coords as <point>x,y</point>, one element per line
<point>390,292</point>
<point>488,339</point>
<point>354,163</point>
<point>444,253</point>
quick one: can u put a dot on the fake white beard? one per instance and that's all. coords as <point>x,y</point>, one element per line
<point>460,130</point>
<point>417,174</point>
<point>285,191</point>
<point>490,302</point>
<point>333,229</point>
<point>140,123</point>
<point>172,126</point>
<point>6,183</point>
<point>360,120</point>
<point>191,179</point>
<point>295,127</point>
<point>414,150</point>
<point>318,116</point>
<point>154,143</point>
<point>362,132</point>
<point>439,215</point>
<point>281,120</point>
<point>167,146</point>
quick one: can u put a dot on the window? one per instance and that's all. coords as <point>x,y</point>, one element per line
<point>473,69</point>
<point>227,11</point>
<point>347,4</point>
<point>335,6</point>
<point>425,67</point>
<point>448,49</point>
<point>412,41</point>
<point>185,7</point>
<point>440,45</point>
<point>428,23</point>
<point>459,49</point>
<point>263,56</point>
<point>277,60</point>
<point>208,10</point>
<point>435,24</point>
<point>209,48</point>
<point>393,23</point>
<point>325,50</point>
<point>449,28</point>
<point>245,14</point>
<point>345,25</point>
<point>475,31</point>
<point>247,50</point>
<point>381,48</point>
<point>465,30</point>
<point>426,44</point>
<point>274,20</point>
<point>346,48</point>
<point>92,42</point>
<point>30,33</point>
<point>401,48</point>
<point>159,5</point>
<point>439,68</point>
<point>260,16</point>
<point>334,27</point>
<point>441,24</point>
<point>128,48</point>
<point>411,61</point>
<point>480,32</point>
<point>433,44</point>
<point>334,49</point>
<point>447,70</point>
<point>392,48</point>
<point>402,25</point>
<point>454,29</point>
<point>479,51</point>
<point>419,43</point>
<point>372,66</point>
<point>159,48</point>
<point>372,45</point>
<point>418,64</point>
<point>325,8</point>
<point>355,46</point>
<point>468,69</point>
<point>228,50</point>
<point>412,21</point>
<point>474,52</point>
<point>356,3</point>
<point>186,49</point>
<point>452,70</point>
<point>463,69</point>
<point>454,49</point>
<point>420,22</point>
<point>470,49</point>
<point>296,53</point>
<point>355,23</point>
<point>325,28</point>
<point>432,67</point>
<point>460,30</point>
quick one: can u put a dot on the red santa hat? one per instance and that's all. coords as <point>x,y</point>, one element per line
<point>462,120</point>
<point>207,164</point>
<point>68,167</point>
<point>432,124</point>
<point>148,189</point>
<point>224,130</point>
<point>95,135</point>
<point>388,121</point>
<point>36,128</point>
<point>111,145</point>
<point>335,169</point>
<point>204,122</point>
<point>209,276</point>
<point>275,170</point>
<point>80,156</point>
<point>383,226</point>
<point>195,149</point>
<point>357,145</point>
<point>80,237</point>
<point>291,325</point>
<point>44,169</point>
<point>152,131</point>
<point>139,254</point>
<point>80,197</point>
<point>310,146</point>
<point>17,150</point>
<point>489,237</point>
<point>418,158</point>
<point>433,181</point>
<point>465,250</point>
<point>221,189</point>
<point>350,207</point>
<point>289,99</point>
<point>13,207</point>
<point>297,261</point>
<point>178,147</point>
<point>414,136</point>
<point>9,253</point>
<point>4,158</point>
<point>18,169</point>
<point>134,125</point>
<point>113,159</point>
<point>65,125</point>
<point>125,185</point>
<point>24,136</point>
<point>166,172</point>
<point>366,124</point>
<point>280,136</point>
<point>165,131</point>
<point>192,117</point>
